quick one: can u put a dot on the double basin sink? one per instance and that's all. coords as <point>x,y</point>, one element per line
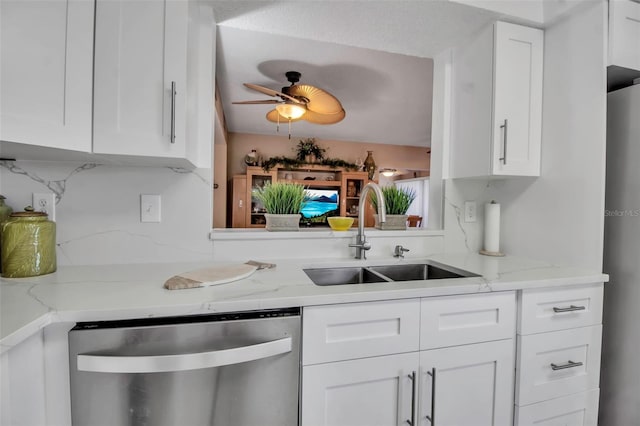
<point>384,273</point>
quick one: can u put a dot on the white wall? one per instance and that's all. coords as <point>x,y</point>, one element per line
<point>558,216</point>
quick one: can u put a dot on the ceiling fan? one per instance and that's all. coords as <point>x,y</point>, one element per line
<point>299,102</point>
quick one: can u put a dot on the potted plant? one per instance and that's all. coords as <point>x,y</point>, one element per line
<point>309,151</point>
<point>283,202</point>
<point>397,202</point>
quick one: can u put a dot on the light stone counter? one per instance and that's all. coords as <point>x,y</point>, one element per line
<point>93,293</point>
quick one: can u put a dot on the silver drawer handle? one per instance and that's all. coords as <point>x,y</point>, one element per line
<point>182,362</point>
<point>569,309</point>
<point>569,364</point>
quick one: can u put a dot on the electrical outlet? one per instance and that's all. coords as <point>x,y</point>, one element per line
<point>45,203</point>
<point>470,211</point>
<point>149,208</point>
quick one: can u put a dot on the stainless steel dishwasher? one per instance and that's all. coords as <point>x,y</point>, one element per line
<point>223,369</point>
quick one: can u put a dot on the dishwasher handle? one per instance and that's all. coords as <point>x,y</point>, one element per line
<point>182,362</point>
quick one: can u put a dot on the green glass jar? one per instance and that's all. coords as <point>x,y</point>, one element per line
<point>5,211</point>
<point>28,245</point>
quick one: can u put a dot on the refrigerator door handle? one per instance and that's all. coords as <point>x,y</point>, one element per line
<point>182,362</point>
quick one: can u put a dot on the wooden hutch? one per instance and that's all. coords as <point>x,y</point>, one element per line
<point>246,213</point>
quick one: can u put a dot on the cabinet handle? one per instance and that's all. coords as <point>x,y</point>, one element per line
<point>504,142</point>
<point>432,417</point>
<point>173,112</point>
<point>412,422</point>
<point>569,364</point>
<point>569,309</point>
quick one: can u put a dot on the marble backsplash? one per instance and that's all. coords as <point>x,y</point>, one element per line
<point>98,210</point>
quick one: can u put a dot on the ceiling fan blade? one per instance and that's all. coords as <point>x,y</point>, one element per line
<point>272,92</point>
<point>320,101</point>
<point>266,101</point>
<point>275,117</point>
<point>317,118</point>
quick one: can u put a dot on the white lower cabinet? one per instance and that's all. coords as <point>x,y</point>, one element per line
<point>363,392</point>
<point>558,356</point>
<point>22,384</point>
<point>470,385</point>
<point>362,364</point>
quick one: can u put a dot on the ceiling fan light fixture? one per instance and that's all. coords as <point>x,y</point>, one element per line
<point>388,172</point>
<point>290,111</point>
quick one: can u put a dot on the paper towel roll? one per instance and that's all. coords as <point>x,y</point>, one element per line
<point>492,227</point>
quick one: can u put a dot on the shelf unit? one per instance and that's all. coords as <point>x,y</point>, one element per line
<point>247,212</point>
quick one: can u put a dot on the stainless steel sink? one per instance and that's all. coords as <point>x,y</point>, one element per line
<point>335,276</point>
<point>385,273</point>
<point>412,272</point>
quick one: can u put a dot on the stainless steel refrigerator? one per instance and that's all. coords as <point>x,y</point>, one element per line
<point>620,377</point>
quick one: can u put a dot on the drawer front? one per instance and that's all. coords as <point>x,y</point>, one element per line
<point>551,365</point>
<point>575,410</point>
<point>358,330</point>
<point>559,309</point>
<point>459,320</point>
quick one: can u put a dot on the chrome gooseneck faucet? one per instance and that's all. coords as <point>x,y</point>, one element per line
<point>361,244</point>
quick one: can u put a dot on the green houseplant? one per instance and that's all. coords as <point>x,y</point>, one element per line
<point>309,151</point>
<point>397,202</point>
<point>283,202</point>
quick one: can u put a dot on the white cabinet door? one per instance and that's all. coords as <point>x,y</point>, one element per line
<point>46,60</point>
<point>470,385</point>
<point>22,383</point>
<point>517,116</point>
<point>364,392</point>
<point>140,54</point>
<point>497,103</point>
<point>624,34</point>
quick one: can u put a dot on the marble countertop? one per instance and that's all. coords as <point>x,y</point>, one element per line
<point>108,292</point>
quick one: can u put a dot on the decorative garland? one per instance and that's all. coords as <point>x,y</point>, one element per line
<point>305,148</point>
<point>291,163</point>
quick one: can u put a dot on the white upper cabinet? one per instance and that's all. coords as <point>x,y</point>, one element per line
<point>497,103</point>
<point>46,60</point>
<point>624,33</point>
<point>140,78</point>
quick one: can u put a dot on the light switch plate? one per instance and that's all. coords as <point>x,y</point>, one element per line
<point>150,208</point>
<point>470,211</point>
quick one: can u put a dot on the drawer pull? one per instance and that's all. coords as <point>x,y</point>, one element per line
<point>569,309</point>
<point>569,364</point>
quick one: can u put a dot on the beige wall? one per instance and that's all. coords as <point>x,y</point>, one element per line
<point>391,156</point>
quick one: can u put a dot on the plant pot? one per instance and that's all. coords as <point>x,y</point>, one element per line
<point>394,221</point>
<point>282,222</point>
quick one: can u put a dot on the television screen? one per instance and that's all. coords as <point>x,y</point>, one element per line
<point>320,204</point>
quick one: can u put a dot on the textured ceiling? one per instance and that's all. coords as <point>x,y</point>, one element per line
<point>372,55</point>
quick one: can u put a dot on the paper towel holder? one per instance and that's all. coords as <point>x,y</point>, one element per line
<point>496,214</point>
